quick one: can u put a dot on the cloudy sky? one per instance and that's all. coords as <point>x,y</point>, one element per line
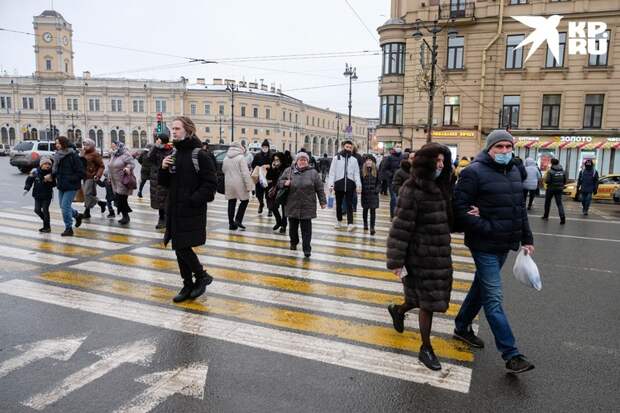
<point>220,30</point>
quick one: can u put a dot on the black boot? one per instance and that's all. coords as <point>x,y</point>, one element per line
<point>86,214</point>
<point>428,358</point>
<point>185,293</point>
<point>202,280</point>
<point>46,229</point>
<point>161,224</point>
<point>78,220</point>
<point>562,220</point>
<point>102,205</point>
<point>67,233</point>
<point>125,219</point>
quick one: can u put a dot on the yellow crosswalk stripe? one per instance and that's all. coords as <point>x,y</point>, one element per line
<point>49,246</point>
<point>271,281</point>
<point>354,331</point>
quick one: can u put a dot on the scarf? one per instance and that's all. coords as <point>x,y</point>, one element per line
<point>120,149</point>
<point>59,155</point>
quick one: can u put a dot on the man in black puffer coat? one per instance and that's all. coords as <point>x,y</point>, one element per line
<point>489,205</point>
<point>190,188</point>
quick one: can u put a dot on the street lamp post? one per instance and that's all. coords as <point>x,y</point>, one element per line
<point>351,73</point>
<point>232,88</point>
<point>433,29</point>
<point>49,106</point>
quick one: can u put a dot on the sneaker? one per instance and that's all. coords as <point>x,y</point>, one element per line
<point>78,220</point>
<point>103,206</point>
<point>111,215</point>
<point>544,218</point>
<point>372,231</point>
<point>518,364</point>
<point>45,230</point>
<point>241,226</point>
<point>365,227</point>
<point>200,286</point>
<point>469,337</point>
<point>337,225</point>
<point>307,254</point>
<point>270,214</point>
<point>160,225</point>
<point>184,294</point>
<point>293,247</point>
<point>86,214</point>
<point>398,320</point>
<point>232,227</point>
<point>260,209</point>
<point>139,194</point>
<point>67,233</point>
<point>562,220</point>
<point>275,227</point>
<point>124,220</point>
<point>350,227</point>
<point>282,230</point>
<point>428,358</point>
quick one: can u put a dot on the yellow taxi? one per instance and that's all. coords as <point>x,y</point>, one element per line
<point>607,186</point>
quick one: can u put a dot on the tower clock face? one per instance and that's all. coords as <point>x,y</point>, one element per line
<point>65,40</point>
<point>47,36</point>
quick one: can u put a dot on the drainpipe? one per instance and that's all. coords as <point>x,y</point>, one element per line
<point>483,75</point>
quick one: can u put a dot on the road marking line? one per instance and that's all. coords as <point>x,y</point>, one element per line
<point>58,239</point>
<point>577,237</point>
<point>294,299</point>
<point>33,256</point>
<point>400,366</point>
<point>14,266</point>
<point>299,321</point>
<point>50,246</point>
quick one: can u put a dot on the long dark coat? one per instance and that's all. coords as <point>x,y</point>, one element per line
<point>189,192</point>
<point>159,193</point>
<point>371,186</point>
<point>420,239</point>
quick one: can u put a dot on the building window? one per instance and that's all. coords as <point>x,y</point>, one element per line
<point>66,67</point>
<point>117,105</point>
<point>600,59</point>
<point>48,64</point>
<point>267,132</point>
<point>551,111</point>
<point>393,59</point>
<point>550,59</point>
<point>221,109</point>
<point>510,112</point>
<point>255,112</point>
<point>515,2</point>
<point>160,105</point>
<point>457,8</point>
<point>283,115</point>
<point>207,129</point>
<point>255,131</point>
<point>243,111</point>
<point>456,47</point>
<point>593,111</point>
<point>243,131</point>
<point>296,118</point>
<point>451,110</point>
<point>267,113</point>
<point>514,56</point>
<point>138,105</point>
<point>50,102</point>
<point>192,108</point>
<point>207,109</point>
<point>28,103</point>
<point>72,104</point>
<point>5,102</point>
<point>392,110</point>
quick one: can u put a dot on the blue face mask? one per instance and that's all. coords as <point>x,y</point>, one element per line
<point>503,158</point>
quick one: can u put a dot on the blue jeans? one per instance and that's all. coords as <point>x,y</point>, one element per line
<point>586,200</point>
<point>486,292</point>
<point>393,196</point>
<point>65,198</point>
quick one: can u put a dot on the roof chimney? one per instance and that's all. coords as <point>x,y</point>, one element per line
<point>217,82</point>
<point>200,80</point>
<point>253,85</point>
<point>86,75</point>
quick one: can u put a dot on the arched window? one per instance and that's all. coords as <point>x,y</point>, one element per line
<point>113,135</point>
<point>78,137</point>
<point>92,135</point>
<point>322,147</point>
<point>11,136</point>
<point>71,135</point>
<point>307,141</point>
<point>99,138</point>
<point>5,135</point>
<point>330,147</point>
<point>143,141</point>
<point>26,135</point>
<point>121,136</point>
<point>315,145</point>
<point>135,139</point>
<point>221,141</point>
<point>34,134</point>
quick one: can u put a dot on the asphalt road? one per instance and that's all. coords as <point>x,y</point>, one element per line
<point>235,350</point>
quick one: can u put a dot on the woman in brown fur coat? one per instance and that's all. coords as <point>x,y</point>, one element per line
<point>419,241</point>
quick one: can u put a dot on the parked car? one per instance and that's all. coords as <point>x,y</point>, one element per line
<point>5,149</point>
<point>27,154</point>
<point>617,195</point>
<point>608,185</point>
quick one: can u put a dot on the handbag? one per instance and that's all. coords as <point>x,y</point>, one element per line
<point>129,181</point>
<point>79,196</point>
<point>282,194</point>
<point>221,183</point>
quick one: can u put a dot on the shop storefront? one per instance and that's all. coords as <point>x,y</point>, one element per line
<point>461,142</point>
<point>572,151</point>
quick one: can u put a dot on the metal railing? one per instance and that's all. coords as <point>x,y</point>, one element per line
<point>457,9</point>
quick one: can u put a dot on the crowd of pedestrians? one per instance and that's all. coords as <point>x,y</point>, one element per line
<point>430,197</point>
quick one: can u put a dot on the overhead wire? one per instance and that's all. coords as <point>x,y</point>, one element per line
<point>374,38</point>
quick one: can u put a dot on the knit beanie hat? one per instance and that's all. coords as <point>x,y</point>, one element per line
<point>302,155</point>
<point>265,143</point>
<point>496,136</point>
<point>45,160</point>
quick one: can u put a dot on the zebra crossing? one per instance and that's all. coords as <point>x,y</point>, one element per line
<point>329,309</point>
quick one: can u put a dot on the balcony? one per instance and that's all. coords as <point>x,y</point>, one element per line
<point>458,10</point>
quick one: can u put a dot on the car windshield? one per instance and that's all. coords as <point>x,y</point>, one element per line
<point>24,146</point>
<point>219,155</point>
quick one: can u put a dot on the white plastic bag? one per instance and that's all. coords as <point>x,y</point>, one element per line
<point>526,271</point>
<point>262,178</point>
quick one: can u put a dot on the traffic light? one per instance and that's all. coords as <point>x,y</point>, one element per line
<point>160,123</point>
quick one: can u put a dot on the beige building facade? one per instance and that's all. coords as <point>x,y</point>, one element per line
<point>567,108</point>
<point>107,109</point>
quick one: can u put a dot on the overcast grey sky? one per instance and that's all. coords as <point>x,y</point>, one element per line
<point>216,29</point>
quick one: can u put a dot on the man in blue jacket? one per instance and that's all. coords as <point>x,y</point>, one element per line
<point>489,206</point>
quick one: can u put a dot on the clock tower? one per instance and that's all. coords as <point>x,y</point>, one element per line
<point>53,46</point>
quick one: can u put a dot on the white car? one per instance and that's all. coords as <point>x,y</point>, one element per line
<point>5,149</point>
<point>27,154</point>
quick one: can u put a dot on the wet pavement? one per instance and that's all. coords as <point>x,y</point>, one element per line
<point>88,323</point>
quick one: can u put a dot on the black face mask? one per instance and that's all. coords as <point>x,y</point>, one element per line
<point>589,166</point>
<point>347,152</point>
